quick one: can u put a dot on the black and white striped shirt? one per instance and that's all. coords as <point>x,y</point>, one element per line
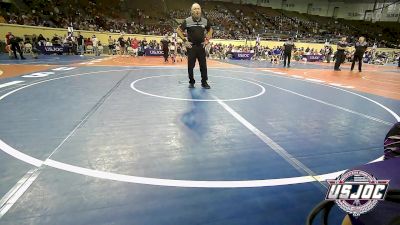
<point>196,29</point>
<point>360,48</point>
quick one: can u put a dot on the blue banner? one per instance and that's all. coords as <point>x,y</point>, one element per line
<point>313,58</point>
<point>242,55</point>
<point>46,50</point>
<point>153,52</point>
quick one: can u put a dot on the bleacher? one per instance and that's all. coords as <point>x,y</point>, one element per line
<point>231,21</point>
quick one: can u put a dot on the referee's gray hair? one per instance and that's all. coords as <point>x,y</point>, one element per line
<point>191,8</point>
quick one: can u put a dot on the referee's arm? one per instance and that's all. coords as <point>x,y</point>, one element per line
<point>180,34</point>
<point>209,31</point>
<point>180,30</point>
<point>209,34</point>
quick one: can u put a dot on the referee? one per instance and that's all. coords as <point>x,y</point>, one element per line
<point>164,43</point>
<point>196,26</point>
<point>287,53</point>
<point>340,57</point>
<point>361,47</point>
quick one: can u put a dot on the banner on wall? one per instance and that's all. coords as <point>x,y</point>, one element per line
<point>313,58</point>
<point>153,52</point>
<point>47,50</point>
<point>242,55</point>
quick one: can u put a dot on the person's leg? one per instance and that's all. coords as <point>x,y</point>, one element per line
<point>353,62</point>
<point>337,61</point>
<point>165,56</point>
<point>201,56</point>
<point>284,60</point>
<point>360,59</point>
<point>9,50</point>
<point>14,50</point>
<point>191,63</point>
<point>289,57</point>
<point>81,49</point>
<point>173,57</point>
<point>343,59</point>
<point>20,52</point>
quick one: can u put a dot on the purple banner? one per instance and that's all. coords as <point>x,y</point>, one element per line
<point>242,55</point>
<point>153,52</point>
<point>47,50</point>
<point>313,58</point>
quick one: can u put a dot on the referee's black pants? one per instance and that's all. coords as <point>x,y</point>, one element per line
<point>359,58</point>
<point>287,56</point>
<point>197,52</point>
<point>166,53</point>
<point>340,57</point>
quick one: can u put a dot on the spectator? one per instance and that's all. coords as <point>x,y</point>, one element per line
<point>135,46</point>
<point>110,45</point>
<point>122,45</point>
<point>80,43</point>
<point>95,43</point>
<point>15,47</point>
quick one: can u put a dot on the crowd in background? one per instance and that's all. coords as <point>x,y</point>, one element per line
<point>228,22</point>
<point>128,45</point>
<point>275,54</point>
<point>89,16</point>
